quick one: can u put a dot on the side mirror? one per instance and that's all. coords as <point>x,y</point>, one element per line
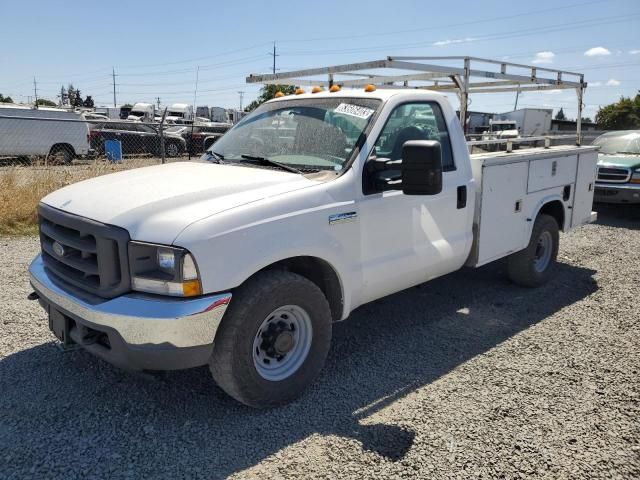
<point>421,167</point>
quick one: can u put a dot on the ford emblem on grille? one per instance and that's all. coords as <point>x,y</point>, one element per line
<point>58,249</point>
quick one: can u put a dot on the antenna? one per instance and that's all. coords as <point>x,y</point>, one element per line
<point>241,93</point>
<point>113,70</point>
<point>274,55</point>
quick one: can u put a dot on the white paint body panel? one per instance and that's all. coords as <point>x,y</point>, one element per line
<point>21,136</point>
<point>238,220</point>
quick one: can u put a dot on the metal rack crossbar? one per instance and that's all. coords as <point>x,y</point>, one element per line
<point>453,74</point>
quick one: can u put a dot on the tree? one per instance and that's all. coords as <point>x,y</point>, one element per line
<point>4,99</point>
<point>622,115</point>
<point>78,100</point>
<point>560,115</point>
<point>587,120</point>
<point>71,95</point>
<point>88,102</point>
<point>43,102</point>
<point>267,93</point>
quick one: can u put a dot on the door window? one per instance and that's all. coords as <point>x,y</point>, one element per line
<point>414,121</point>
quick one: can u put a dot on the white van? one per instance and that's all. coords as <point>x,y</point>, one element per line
<point>53,132</point>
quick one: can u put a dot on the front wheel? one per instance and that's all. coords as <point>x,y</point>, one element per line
<point>172,149</point>
<point>534,265</point>
<point>273,340</point>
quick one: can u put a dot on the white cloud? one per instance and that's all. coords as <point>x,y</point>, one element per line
<point>634,52</point>
<point>543,57</point>
<point>612,82</point>
<point>442,43</point>
<point>595,84</point>
<point>552,92</point>
<point>597,52</point>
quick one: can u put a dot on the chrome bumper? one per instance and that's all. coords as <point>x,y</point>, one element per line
<point>140,319</point>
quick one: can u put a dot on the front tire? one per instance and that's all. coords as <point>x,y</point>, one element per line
<point>534,265</point>
<point>273,340</point>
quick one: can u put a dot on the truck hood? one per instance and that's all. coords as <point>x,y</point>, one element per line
<point>156,203</point>
<point>619,160</point>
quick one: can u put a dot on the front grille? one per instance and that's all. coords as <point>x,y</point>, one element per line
<point>87,254</point>
<point>613,174</point>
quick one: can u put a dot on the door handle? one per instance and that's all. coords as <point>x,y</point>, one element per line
<point>462,196</point>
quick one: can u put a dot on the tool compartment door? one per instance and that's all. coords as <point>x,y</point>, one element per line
<point>502,220</point>
<point>583,189</point>
<point>551,172</point>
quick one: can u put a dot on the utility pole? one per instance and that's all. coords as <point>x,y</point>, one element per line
<point>35,91</point>
<point>113,70</point>
<point>274,55</point>
<point>241,95</point>
<point>158,101</point>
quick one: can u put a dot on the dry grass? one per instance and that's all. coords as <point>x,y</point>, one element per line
<point>21,188</point>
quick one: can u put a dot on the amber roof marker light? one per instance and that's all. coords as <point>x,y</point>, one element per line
<point>370,88</point>
<point>278,94</point>
<point>316,89</point>
<point>335,88</point>
<point>299,91</point>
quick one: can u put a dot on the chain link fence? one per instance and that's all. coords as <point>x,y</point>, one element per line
<point>57,137</point>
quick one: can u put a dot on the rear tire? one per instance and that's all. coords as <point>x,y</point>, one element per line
<point>273,340</point>
<point>172,149</point>
<point>534,265</point>
<point>60,155</point>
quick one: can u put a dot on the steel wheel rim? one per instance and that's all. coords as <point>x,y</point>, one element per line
<point>543,252</point>
<point>172,150</point>
<point>287,326</point>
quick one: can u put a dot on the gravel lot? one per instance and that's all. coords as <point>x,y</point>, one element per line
<point>466,376</point>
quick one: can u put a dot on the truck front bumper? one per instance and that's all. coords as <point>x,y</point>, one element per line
<point>616,193</point>
<point>134,331</point>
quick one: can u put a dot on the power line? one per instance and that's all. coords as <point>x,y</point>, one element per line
<point>445,26</point>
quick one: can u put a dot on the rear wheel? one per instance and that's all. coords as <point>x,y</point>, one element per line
<point>60,155</point>
<point>533,266</point>
<point>273,340</point>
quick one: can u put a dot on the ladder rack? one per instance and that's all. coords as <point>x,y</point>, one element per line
<point>461,75</point>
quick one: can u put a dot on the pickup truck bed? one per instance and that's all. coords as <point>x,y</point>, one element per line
<point>513,186</point>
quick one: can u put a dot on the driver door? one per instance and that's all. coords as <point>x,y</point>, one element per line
<point>409,239</point>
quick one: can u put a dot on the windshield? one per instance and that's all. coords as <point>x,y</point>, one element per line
<point>499,127</point>
<point>306,133</point>
<point>629,143</point>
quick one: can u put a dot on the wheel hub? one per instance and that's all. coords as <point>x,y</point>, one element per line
<point>278,340</point>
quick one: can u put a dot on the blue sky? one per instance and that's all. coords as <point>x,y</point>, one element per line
<point>156,46</point>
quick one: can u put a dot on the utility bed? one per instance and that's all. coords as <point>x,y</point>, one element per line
<point>514,185</point>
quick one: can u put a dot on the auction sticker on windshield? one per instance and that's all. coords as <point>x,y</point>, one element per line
<point>354,110</point>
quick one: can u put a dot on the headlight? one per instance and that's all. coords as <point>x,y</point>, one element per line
<point>635,177</point>
<point>163,270</point>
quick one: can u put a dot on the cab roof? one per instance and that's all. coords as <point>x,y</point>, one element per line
<point>379,94</point>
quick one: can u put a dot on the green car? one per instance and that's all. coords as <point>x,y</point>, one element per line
<point>618,167</point>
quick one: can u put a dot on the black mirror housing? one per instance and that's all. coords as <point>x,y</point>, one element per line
<point>421,167</point>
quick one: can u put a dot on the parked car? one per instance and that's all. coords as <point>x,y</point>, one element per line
<point>54,133</point>
<point>618,178</point>
<point>311,207</point>
<point>199,137</point>
<point>136,138</point>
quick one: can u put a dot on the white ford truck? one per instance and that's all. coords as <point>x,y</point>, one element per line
<point>314,204</point>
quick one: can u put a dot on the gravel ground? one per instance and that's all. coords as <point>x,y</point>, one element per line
<point>466,376</point>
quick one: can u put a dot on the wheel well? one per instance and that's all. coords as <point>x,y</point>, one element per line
<point>554,209</point>
<point>319,272</point>
<point>62,146</point>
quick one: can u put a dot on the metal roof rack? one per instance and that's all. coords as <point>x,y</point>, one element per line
<point>451,74</point>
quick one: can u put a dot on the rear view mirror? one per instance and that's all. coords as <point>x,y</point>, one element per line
<point>421,167</point>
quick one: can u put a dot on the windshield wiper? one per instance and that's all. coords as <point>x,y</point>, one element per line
<point>273,163</point>
<point>218,156</point>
